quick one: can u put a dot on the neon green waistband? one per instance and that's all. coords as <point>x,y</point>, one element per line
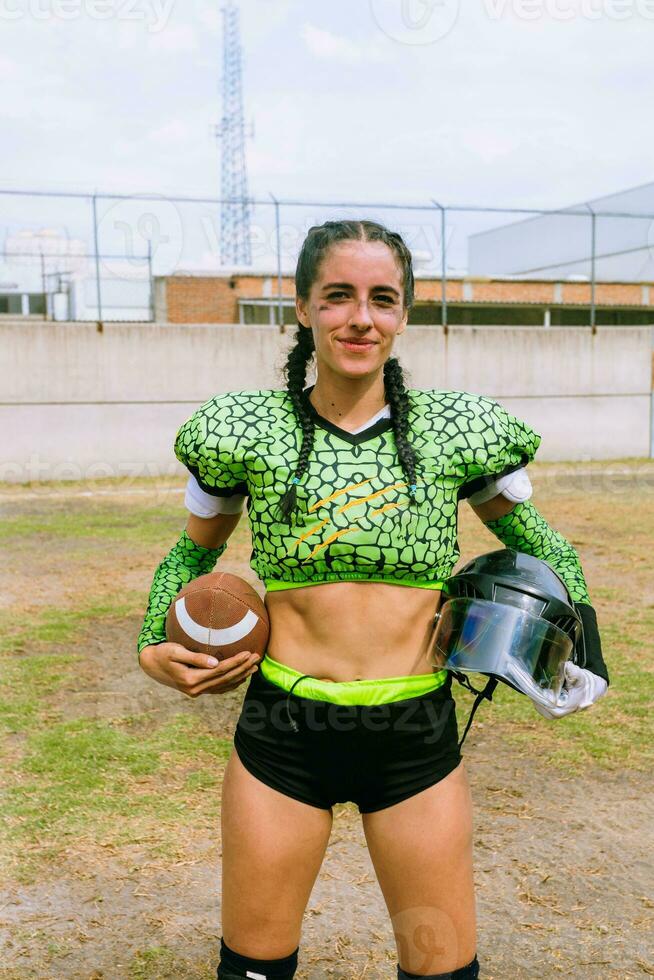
<point>382,690</point>
<point>277,585</point>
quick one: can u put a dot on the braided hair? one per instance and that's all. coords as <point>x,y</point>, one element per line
<point>318,241</point>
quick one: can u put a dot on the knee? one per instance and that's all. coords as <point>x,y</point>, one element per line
<point>233,966</point>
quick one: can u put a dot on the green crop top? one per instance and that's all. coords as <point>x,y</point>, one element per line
<point>355,519</point>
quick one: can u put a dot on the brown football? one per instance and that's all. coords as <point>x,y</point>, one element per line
<point>218,614</point>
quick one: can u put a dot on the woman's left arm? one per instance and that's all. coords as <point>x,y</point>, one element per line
<point>520,526</point>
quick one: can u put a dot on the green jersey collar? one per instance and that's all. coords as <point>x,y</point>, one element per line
<point>382,425</point>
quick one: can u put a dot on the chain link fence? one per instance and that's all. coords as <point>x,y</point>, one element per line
<point>95,256</point>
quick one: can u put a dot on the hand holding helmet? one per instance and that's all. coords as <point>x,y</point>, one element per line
<point>582,689</point>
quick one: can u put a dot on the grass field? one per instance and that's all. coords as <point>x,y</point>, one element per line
<point>112,783</point>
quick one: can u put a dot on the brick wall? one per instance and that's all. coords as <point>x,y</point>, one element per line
<point>214,299</point>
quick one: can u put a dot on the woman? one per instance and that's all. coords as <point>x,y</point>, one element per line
<point>353,487</point>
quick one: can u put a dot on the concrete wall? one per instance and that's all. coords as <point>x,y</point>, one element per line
<point>78,403</point>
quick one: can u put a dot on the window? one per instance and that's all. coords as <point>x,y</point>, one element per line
<point>10,303</point>
<point>266,311</point>
<point>254,314</point>
<point>579,316</point>
<point>37,303</point>
<point>478,316</point>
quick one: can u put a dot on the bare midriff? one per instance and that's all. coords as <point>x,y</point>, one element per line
<point>346,631</point>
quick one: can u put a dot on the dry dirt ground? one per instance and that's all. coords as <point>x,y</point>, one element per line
<point>563,853</point>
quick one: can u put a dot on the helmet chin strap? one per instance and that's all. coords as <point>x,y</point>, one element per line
<point>486,693</point>
<point>483,694</point>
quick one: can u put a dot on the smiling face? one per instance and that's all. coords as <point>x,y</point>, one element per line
<point>355,308</point>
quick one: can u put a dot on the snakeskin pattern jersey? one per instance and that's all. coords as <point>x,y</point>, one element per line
<point>184,562</point>
<point>355,519</point>
<point>526,530</point>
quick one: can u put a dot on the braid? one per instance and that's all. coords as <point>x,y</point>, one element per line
<point>399,401</point>
<point>295,371</point>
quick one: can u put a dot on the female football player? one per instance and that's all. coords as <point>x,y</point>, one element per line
<point>352,485</point>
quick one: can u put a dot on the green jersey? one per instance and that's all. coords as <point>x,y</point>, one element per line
<point>355,519</point>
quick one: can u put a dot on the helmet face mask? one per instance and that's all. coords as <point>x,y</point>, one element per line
<point>509,616</point>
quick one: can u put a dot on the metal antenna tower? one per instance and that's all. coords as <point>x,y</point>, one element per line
<point>235,244</point>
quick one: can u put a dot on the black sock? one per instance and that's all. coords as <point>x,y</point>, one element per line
<point>233,966</point>
<point>469,972</point>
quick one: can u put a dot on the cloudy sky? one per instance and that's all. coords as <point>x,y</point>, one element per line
<point>511,102</point>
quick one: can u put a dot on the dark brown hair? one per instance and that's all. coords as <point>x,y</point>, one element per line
<point>316,245</point>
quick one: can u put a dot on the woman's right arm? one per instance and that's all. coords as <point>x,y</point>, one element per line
<point>171,664</point>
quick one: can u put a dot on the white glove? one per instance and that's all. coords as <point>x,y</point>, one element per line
<point>581,689</point>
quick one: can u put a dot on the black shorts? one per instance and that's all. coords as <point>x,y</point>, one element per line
<point>372,755</point>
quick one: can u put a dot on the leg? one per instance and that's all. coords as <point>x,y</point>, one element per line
<point>421,849</point>
<point>273,847</point>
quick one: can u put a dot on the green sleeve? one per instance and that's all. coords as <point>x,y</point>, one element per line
<point>185,561</point>
<point>525,529</point>
<point>211,445</point>
<point>497,443</point>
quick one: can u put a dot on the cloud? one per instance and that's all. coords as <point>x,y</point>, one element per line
<point>210,17</point>
<point>172,37</point>
<point>173,131</point>
<point>175,37</point>
<point>9,69</point>
<point>332,47</point>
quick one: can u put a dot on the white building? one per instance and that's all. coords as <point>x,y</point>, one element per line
<point>40,272</point>
<point>559,246</point>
